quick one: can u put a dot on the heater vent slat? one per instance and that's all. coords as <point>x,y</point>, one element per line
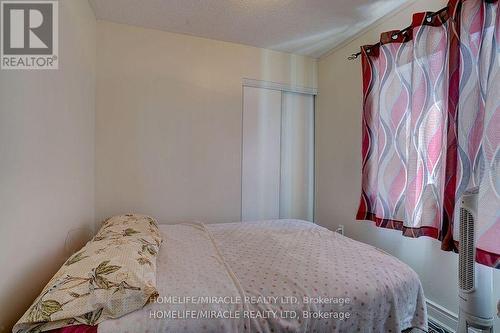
<point>466,248</point>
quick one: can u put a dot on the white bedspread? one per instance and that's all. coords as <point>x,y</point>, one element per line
<point>275,276</point>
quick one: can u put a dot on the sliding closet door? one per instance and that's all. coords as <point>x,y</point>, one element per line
<point>260,193</point>
<point>297,157</point>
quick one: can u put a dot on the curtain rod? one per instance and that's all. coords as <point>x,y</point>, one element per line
<point>356,55</point>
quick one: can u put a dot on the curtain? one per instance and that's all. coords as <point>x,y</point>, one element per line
<point>479,122</point>
<point>430,125</point>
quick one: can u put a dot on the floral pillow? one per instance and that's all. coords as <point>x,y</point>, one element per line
<point>112,275</point>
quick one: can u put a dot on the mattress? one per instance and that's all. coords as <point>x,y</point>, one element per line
<point>275,276</point>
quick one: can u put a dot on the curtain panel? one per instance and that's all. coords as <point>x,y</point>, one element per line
<point>479,122</point>
<point>431,125</point>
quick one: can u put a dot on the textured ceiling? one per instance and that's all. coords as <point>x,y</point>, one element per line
<point>308,27</point>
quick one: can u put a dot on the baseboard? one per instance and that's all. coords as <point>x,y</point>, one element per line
<point>442,316</point>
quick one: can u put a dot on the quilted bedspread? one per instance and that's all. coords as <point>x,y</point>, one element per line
<point>275,276</point>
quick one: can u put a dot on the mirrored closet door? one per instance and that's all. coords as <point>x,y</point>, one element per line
<point>277,155</point>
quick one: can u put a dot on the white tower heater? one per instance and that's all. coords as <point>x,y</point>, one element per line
<point>474,280</point>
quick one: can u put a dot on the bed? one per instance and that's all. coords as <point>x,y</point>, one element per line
<point>275,276</point>
<point>136,276</point>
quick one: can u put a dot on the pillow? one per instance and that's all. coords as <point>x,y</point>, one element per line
<point>112,275</point>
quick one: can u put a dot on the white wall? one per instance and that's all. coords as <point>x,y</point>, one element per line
<point>168,121</point>
<point>338,166</point>
<point>46,162</point>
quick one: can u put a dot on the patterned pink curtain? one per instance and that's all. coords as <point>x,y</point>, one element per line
<point>479,122</point>
<point>417,156</point>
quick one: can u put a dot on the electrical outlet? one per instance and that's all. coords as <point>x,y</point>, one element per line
<point>340,229</point>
